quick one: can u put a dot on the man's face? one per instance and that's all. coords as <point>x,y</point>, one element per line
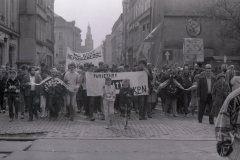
<point>12,75</point>
<point>208,72</point>
<point>32,72</point>
<point>71,68</point>
<point>186,70</point>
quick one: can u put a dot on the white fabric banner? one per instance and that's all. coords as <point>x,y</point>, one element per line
<point>95,56</point>
<point>96,81</point>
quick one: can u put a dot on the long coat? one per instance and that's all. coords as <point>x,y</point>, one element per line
<point>219,93</point>
<point>203,87</point>
<point>227,126</point>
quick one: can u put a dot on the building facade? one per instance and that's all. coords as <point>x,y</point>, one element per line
<point>9,32</point>
<point>37,32</point>
<point>89,43</point>
<point>67,35</point>
<point>107,50</point>
<point>137,25</point>
<point>184,19</point>
<point>117,41</point>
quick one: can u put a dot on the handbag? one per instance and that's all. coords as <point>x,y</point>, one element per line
<point>224,148</point>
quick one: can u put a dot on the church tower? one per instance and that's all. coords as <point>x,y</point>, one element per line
<point>89,41</point>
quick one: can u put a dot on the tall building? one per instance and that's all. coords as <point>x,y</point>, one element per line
<point>117,41</point>
<point>66,35</point>
<point>37,32</point>
<point>107,50</point>
<point>136,26</point>
<point>89,44</point>
<point>9,32</point>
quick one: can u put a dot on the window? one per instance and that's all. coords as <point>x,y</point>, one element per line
<point>148,26</point>
<point>144,27</point>
<point>60,35</point>
<point>60,51</point>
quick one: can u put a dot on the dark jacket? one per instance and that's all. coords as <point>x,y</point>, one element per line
<point>171,90</point>
<point>203,87</point>
<point>219,93</point>
<point>12,87</point>
<point>27,88</point>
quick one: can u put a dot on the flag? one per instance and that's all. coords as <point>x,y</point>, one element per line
<point>153,35</point>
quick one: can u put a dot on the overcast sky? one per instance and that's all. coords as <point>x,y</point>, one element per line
<point>101,14</point>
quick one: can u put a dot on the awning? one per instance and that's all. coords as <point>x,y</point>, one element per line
<point>152,36</point>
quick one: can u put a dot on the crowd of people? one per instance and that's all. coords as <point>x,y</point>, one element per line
<point>42,92</point>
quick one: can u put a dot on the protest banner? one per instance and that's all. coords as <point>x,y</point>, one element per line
<point>94,57</point>
<point>96,81</point>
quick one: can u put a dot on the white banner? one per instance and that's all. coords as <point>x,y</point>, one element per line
<point>96,81</point>
<point>95,56</point>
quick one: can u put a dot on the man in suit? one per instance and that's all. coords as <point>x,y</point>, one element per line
<point>32,92</point>
<point>205,86</point>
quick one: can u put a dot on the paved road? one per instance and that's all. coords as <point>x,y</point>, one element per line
<point>159,138</point>
<point>159,127</point>
<point>56,149</point>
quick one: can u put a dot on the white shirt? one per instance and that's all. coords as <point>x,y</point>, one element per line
<point>209,84</point>
<point>32,81</point>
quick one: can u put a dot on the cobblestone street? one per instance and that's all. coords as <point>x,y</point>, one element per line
<point>159,127</point>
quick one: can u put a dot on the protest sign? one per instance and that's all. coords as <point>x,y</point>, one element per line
<point>96,81</point>
<point>94,57</point>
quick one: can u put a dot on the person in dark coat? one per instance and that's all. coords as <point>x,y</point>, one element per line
<point>205,86</point>
<point>2,88</point>
<point>32,92</point>
<point>220,91</point>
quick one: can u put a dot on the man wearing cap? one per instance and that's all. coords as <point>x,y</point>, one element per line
<point>205,86</point>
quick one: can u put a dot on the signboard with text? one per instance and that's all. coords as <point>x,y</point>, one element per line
<point>94,57</point>
<point>193,50</point>
<point>96,81</point>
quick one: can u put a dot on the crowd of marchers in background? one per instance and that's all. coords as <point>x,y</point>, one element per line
<point>36,92</point>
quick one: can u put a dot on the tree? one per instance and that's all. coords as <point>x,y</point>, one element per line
<point>228,12</point>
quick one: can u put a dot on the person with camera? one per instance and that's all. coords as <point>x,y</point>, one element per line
<point>169,85</point>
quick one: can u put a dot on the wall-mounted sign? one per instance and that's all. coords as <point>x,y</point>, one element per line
<point>193,50</point>
<point>193,27</point>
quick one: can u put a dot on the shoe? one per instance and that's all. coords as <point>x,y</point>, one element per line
<point>175,115</point>
<point>3,111</point>
<point>140,119</point>
<point>78,111</point>
<point>0,111</point>
<point>149,116</point>
<point>212,123</point>
<point>92,119</point>
<point>107,127</point>
<point>30,119</point>
<point>71,119</point>
<point>16,116</point>
<point>199,121</point>
<point>11,120</point>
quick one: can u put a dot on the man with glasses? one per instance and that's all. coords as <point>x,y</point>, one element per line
<point>204,93</point>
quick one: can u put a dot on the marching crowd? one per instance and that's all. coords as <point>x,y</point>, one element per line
<point>42,92</point>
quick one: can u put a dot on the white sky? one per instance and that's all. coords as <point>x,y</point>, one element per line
<point>101,14</point>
